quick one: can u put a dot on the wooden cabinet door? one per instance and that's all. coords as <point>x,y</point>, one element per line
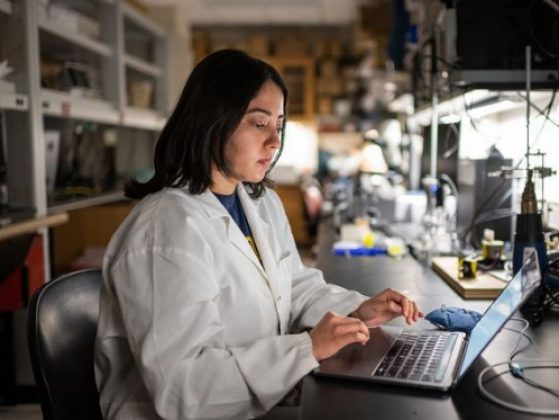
<point>298,74</point>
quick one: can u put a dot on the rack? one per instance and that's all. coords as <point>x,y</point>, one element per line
<point>98,52</point>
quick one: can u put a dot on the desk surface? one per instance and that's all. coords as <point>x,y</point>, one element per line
<point>327,398</point>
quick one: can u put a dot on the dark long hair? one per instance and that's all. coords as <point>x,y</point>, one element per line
<point>210,108</point>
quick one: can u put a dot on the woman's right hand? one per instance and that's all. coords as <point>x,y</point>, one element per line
<point>334,332</point>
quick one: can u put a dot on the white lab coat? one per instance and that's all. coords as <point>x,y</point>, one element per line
<point>191,324</point>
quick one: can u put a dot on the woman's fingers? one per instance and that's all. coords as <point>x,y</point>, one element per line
<point>409,308</point>
<point>334,332</point>
<point>350,326</point>
<point>353,337</point>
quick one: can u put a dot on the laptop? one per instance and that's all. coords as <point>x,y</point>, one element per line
<point>431,359</point>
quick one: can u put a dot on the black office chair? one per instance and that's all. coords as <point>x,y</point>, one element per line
<point>61,334</point>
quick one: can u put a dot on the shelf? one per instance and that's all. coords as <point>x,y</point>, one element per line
<point>110,49</point>
<point>6,7</point>
<point>144,22</point>
<point>13,101</point>
<point>76,38</point>
<point>142,66</point>
<point>478,103</point>
<point>143,118</point>
<point>31,225</point>
<point>82,202</point>
<point>452,105</point>
<point>502,79</point>
<point>61,104</point>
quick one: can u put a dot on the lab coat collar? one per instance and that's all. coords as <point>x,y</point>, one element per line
<point>215,209</point>
<point>212,206</point>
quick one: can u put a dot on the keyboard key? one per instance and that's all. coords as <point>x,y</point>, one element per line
<point>420,356</point>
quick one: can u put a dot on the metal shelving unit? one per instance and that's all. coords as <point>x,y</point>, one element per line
<point>27,32</point>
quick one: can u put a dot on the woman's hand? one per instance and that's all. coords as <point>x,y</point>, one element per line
<point>334,332</point>
<point>386,306</point>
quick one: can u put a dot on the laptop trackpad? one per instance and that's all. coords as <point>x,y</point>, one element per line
<point>358,360</point>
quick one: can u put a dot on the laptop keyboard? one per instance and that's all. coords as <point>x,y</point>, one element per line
<point>418,355</point>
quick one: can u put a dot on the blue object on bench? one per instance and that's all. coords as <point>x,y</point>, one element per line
<point>359,252</point>
<point>453,318</point>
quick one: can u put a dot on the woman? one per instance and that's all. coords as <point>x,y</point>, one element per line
<point>206,306</point>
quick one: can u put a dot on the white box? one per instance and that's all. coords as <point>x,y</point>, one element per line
<point>74,21</point>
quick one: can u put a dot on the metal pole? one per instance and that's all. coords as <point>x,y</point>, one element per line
<point>434,111</point>
<point>528,104</point>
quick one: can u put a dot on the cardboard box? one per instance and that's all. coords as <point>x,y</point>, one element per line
<point>140,93</point>
<point>73,21</point>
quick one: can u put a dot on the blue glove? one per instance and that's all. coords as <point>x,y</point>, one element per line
<point>453,319</point>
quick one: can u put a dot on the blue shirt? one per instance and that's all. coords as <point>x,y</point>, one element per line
<point>232,204</point>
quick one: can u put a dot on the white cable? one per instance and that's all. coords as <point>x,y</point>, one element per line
<point>522,333</point>
<point>551,4</point>
<point>526,364</point>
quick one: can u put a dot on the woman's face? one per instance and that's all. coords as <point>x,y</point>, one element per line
<point>252,147</point>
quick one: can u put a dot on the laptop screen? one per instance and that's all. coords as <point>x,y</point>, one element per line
<point>509,300</point>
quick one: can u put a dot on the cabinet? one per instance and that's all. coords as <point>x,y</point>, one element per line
<point>298,74</point>
<point>81,110</point>
<point>291,197</point>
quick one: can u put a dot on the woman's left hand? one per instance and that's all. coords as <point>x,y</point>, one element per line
<point>386,306</point>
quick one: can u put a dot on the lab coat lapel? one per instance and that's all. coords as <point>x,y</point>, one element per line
<point>261,232</point>
<point>216,210</point>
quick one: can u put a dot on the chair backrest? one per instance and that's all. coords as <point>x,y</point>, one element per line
<point>61,331</point>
